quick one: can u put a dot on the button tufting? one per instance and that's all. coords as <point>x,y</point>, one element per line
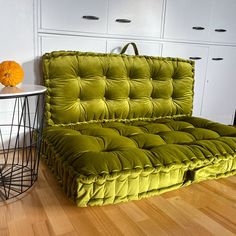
<point>149,145</point>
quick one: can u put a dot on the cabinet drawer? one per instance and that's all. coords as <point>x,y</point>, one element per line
<point>200,55</point>
<point>223,21</point>
<point>75,43</point>
<point>144,48</point>
<point>140,18</point>
<point>74,15</point>
<point>219,94</point>
<point>187,19</point>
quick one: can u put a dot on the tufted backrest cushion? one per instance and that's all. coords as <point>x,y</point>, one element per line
<point>92,87</point>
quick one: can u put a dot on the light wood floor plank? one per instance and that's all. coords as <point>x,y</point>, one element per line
<point>144,222</point>
<point>55,214</point>
<point>122,221</point>
<point>218,203</point>
<point>228,192</point>
<point>133,212</point>
<point>102,222</point>
<point>3,217</point>
<point>191,227</point>
<point>218,217</point>
<point>4,232</point>
<point>15,211</point>
<point>162,219</point>
<point>82,224</point>
<point>149,227</point>
<point>41,228</point>
<point>206,208</point>
<point>20,227</point>
<point>197,216</point>
<point>31,203</point>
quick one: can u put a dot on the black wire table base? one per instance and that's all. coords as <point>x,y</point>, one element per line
<point>20,145</point>
<point>16,180</point>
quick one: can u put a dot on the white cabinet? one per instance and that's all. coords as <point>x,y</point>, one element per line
<point>223,21</point>
<point>132,17</point>
<point>74,15</point>
<point>144,48</point>
<point>187,19</point>
<point>219,101</point>
<point>85,44</point>
<point>200,55</point>
<point>202,20</point>
<point>207,21</point>
<point>175,28</point>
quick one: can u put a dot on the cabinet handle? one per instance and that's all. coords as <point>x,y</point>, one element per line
<point>123,20</point>
<point>195,58</point>
<point>217,59</point>
<point>90,17</point>
<point>220,30</point>
<point>198,28</point>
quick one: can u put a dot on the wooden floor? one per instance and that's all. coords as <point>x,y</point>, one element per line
<point>207,208</point>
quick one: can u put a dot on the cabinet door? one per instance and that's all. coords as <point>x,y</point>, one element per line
<point>200,55</point>
<point>85,44</point>
<point>223,21</point>
<point>141,18</point>
<point>74,15</point>
<point>187,19</point>
<point>219,102</point>
<point>144,48</point>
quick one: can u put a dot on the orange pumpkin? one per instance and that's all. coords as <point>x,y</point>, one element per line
<point>11,73</point>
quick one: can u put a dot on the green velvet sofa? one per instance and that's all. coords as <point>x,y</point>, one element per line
<point>119,127</point>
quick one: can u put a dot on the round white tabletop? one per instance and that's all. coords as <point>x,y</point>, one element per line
<point>21,90</point>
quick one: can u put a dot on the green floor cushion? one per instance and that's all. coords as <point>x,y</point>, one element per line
<point>120,128</point>
<point>113,162</point>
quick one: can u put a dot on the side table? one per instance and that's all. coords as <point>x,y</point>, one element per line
<point>21,121</point>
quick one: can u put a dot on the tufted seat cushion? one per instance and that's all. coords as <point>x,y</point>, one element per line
<point>112,162</point>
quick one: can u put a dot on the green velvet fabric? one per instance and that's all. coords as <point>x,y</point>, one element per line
<point>86,87</point>
<point>112,162</point>
<point>120,128</point>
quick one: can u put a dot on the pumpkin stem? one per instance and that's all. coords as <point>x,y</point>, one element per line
<point>8,75</point>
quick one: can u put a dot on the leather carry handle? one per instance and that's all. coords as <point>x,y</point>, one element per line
<point>123,50</point>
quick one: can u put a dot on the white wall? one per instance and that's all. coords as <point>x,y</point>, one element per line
<point>17,44</point>
<point>17,34</point>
